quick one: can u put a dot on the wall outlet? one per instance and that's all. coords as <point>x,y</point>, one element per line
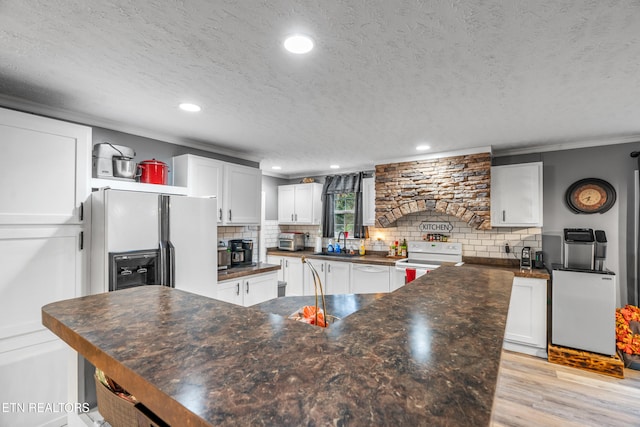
<point>507,249</point>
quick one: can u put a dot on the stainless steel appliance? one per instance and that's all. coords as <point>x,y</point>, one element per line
<point>241,252</point>
<point>182,230</point>
<point>224,257</point>
<point>579,248</point>
<point>133,268</point>
<point>525,258</point>
<point>292,241</point>
<point>600,250</point>
<point>424,257</point>
<point>113,161</point>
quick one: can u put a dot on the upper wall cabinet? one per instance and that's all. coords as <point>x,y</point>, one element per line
<point>516,195</point>
<point>369,201</point>
<point>300,204</point>
<point>46,169</point>
<point>238,188</point>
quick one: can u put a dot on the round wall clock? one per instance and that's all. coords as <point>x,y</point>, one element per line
<point>590,195</point>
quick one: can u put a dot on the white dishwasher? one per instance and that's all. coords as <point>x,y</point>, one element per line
<point>369,278</point>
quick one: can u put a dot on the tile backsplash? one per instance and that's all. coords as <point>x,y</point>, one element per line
<point>475,243</point>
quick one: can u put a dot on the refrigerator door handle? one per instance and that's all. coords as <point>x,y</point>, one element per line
<point>162,265</point>
<point>171,272</point>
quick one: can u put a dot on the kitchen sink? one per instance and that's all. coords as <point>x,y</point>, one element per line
<point>340,255</point>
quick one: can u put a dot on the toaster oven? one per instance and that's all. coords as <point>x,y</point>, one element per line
<point>291,241</point>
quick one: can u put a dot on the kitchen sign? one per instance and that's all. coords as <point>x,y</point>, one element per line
<point>440,227</point>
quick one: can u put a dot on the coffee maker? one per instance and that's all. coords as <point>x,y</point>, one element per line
<point>113,161</point>
<point>241,252</point>
<point>525,258</point>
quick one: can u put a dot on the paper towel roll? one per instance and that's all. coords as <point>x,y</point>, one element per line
<point>318,247</point>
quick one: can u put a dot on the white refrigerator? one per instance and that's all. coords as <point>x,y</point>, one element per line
<point>182,229</point>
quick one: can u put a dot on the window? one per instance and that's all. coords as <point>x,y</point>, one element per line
<point>344,212</point>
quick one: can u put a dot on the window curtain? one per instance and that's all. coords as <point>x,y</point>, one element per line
<point>337,184</point>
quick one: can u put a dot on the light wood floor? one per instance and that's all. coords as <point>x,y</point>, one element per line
<point>534,392</point>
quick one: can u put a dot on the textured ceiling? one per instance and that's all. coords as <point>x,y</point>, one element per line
<point>384,76</point>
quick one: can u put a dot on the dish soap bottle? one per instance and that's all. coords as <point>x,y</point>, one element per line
<point>403,248</point>
<point>361,247</point>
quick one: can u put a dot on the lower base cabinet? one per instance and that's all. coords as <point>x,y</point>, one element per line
<point>249,290</point>
<point>526,330</point>
<point>292,272</point>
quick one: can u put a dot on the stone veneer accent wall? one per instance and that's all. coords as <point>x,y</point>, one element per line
<point>458,186</point>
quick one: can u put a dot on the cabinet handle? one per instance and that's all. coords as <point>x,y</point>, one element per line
<point>238,288</point>
<point>286,263</point>
<point>247,287</point>
<point>82,211</point>
<point>329,268</point>
<point>229,214</point>
<point>322,267</point>
<point>220,214</point>
<point>291,217</point>
<point>504,216</point>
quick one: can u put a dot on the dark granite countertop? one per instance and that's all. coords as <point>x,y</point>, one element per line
<point>236,272</point>
<point>368,258</point>
<point>426,354</point>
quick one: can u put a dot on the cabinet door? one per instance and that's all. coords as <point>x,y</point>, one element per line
<point>294,276</point>
<point>230,291</point>
<point>272,259</point>
<point>369,279</point>
<point>260,288</point>
<point>40,265</point>
<point>516,195</point>
<point>242,195</point>
<point>203,177</point>
<point>337,277</point>
<point>369,201</point>
<point>527,317</point>
<point>45,173</point>
<point>286,204</point>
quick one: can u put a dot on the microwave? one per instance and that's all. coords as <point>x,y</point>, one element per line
<point>291,241</point>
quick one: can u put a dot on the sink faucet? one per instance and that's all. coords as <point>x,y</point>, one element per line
<point>344,247</point>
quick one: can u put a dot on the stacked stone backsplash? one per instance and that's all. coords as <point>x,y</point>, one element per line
<point>475,243</point>
<point>458,186</point>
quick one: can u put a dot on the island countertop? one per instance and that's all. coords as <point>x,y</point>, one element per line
<point>426,354</point>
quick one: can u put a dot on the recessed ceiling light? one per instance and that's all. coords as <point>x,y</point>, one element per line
<point>298,44</point>
<point>276,168</point>
<point>422,147</point>
<point>189,107</point>
<point>335,166</point>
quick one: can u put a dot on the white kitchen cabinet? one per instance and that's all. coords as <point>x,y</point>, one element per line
<point>516,195</point>
<point>300,204</point>
<point>369,201</point>
<point>238,188</point>
<point>202,176</point>
<point>242,195</point>
<point>291,271</point>
<point>249,290</point>
<point>335,277</point>
<point>526,329</point>
<point>45,183</point>
<point>46,169</point>
<point>370,278</point>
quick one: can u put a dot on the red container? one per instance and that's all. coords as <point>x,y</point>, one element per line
<point>153,172</point>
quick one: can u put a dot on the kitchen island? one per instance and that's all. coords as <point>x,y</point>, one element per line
<point>426,354</point>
